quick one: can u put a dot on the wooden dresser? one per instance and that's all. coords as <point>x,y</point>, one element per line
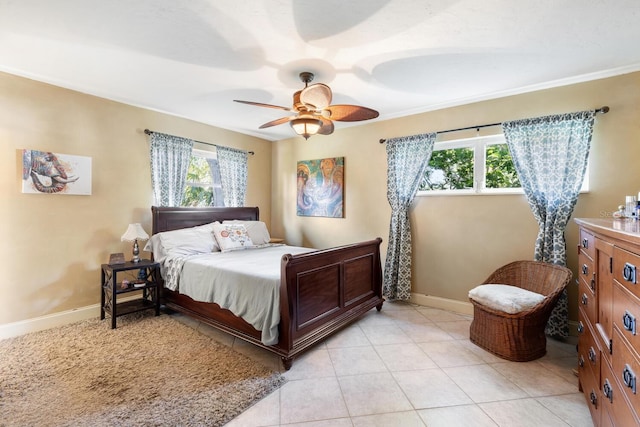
<point>609,307</point>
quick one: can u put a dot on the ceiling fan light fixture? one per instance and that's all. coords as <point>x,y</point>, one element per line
<point>313,111</point>
<point>306,126</point>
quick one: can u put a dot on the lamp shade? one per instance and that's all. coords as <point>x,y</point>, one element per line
<point>134,232</point>
<point>306,126</point>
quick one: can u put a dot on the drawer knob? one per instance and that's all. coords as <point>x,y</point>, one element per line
<point>593,398</point>
<point>629,273</point>
<point>629,322</point>
<point>629,378</point>
<point>585,243</point>
<point>585,269</point>
<point>585,299</point>
<point>581,361</point>
<point>592,355</point>
<point>580,327</point>
<point>607,390</point>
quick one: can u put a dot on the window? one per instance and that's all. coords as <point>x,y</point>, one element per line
<point>450,169</point>
<point>471,166</point>
<point>201,186</point>
<point>480,165</point>
<point>499,171</point>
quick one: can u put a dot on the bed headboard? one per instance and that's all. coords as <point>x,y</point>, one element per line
<point>167,219</point>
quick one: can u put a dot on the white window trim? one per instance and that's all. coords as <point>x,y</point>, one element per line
<point>479,143</point>
<point>204,153</point>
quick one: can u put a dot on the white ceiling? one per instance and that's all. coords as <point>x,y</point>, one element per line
<point>400,57</point>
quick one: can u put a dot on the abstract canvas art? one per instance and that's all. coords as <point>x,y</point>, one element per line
<point>44,172</point>
<point>320,186</point>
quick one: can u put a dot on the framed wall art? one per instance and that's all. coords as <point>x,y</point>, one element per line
<point>44,172</point>
<point>320,187</point>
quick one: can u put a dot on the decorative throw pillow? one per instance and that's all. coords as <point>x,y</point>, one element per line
<point>231,237</point>
<point>257,230</point>
<point>507,298</point>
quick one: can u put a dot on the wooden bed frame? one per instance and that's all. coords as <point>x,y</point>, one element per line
<point>320,293</point>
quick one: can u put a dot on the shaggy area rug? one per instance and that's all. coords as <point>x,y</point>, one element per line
<point>150,371</point>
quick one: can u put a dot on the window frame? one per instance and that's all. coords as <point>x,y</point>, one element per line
<point>479,144</point>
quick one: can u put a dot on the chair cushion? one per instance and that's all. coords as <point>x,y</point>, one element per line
<point>507,298</point>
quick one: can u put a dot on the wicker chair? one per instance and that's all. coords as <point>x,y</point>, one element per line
<point>519,337</point>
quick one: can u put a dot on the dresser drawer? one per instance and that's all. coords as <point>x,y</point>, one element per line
<point>606,418</point>
<point>587,302</point>
<point>626,368</point>
<point>589,383</point>
<point>615,407</point>
<point>626,269</point>
<point>626,315</point>
<point>587,271</point>
<point>586,243</point>
<point>589,354</point>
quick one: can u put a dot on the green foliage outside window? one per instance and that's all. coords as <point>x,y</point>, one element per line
<point>198,191</point>
<point>500,171</point>
<point>453,169</point>
<point>450,169</point>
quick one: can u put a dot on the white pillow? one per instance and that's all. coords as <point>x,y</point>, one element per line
<point>154,245</point>
<point>185,241</point>
<point>507,298</point>
<point>231,237</point>
<point>257,230</point>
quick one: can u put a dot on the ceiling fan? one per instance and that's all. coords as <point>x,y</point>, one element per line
<point>314,114</point>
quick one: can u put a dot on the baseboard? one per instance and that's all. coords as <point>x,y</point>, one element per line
<point>54,320</point>
<point>49,321</point>
<point>461,307</point>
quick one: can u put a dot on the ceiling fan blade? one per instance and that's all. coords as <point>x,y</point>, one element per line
<point>326,128</point>
<point>276,122</point>
<point>351,113</point>
<point>260,104</point>
<point>316,96</point>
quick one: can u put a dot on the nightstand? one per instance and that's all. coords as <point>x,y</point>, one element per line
<point>144,277</point>
<point>276,240</point>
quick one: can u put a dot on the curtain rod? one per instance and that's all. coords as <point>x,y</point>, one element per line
<point>149,132</point>
<point>602,110</point>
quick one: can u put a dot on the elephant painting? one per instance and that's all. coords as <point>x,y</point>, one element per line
<point>48,174</point>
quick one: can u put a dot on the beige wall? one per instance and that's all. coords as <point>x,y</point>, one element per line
<point>459,240</point>
<point>51,246</point>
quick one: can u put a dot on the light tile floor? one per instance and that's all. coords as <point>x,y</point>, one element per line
<point>414,366</point>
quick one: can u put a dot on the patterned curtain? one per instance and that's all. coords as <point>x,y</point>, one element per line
<point>407,160</point>
<point>216,182</point>
<point>233,173</point>
<point>550,156</point>
<point>170,157</point>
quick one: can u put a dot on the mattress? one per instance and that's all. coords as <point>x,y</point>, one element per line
<point>245,282</point>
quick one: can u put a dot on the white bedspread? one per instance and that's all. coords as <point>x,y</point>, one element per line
<point>245,282</point>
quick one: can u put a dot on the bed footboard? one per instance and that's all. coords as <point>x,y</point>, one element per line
<point>325,290</point>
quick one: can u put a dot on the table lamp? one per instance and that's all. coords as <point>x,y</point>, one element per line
<point>134,233</point>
